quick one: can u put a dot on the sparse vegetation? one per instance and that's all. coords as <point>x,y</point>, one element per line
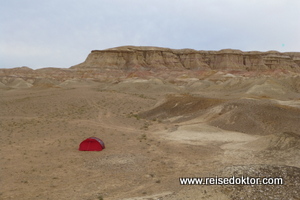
<point>143,137</point>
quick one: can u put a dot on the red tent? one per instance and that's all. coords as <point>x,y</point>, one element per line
<point>92,144</point>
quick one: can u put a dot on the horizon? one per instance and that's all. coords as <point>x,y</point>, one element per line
<point>144,46</point>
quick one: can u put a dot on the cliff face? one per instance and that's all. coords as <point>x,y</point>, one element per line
<point>130,58</point>
<point>168,64</point>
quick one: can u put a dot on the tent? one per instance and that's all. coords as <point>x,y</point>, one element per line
<point>92,144</point>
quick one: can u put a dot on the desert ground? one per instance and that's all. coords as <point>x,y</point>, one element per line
<point>155,132</point>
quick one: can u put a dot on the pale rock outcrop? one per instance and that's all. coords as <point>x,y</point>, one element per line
<point>179,65</point>
<point>155,58</point>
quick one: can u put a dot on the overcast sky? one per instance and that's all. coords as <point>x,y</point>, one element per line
<point>61,33</point>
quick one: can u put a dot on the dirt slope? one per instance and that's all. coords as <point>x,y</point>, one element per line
<point>155,131</point>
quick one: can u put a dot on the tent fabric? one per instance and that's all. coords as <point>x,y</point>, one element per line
<point>92,144</point>
<point>99,140</point>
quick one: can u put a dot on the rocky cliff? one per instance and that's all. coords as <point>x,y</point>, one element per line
<point>167,64</point>
<point>131,58</point>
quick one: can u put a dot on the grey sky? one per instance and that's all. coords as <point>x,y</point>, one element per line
<point>61,33</point>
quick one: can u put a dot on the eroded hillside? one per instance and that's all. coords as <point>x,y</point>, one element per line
<point>162,114</point>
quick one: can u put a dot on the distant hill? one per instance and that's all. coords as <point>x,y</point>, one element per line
<point>120,63</point>
<point>133,57</point>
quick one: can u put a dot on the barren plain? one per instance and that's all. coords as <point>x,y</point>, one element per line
<point>157,125</point>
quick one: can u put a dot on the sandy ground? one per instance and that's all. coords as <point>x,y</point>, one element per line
<point>154,133</point>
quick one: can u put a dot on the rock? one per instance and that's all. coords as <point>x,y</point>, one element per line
<point>130,58</point>
<point>172,65</point>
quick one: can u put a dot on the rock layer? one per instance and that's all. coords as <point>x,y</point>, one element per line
<point>131,58</point>
<point>172,65</point>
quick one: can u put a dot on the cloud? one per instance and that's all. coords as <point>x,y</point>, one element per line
<point>62,32</point>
